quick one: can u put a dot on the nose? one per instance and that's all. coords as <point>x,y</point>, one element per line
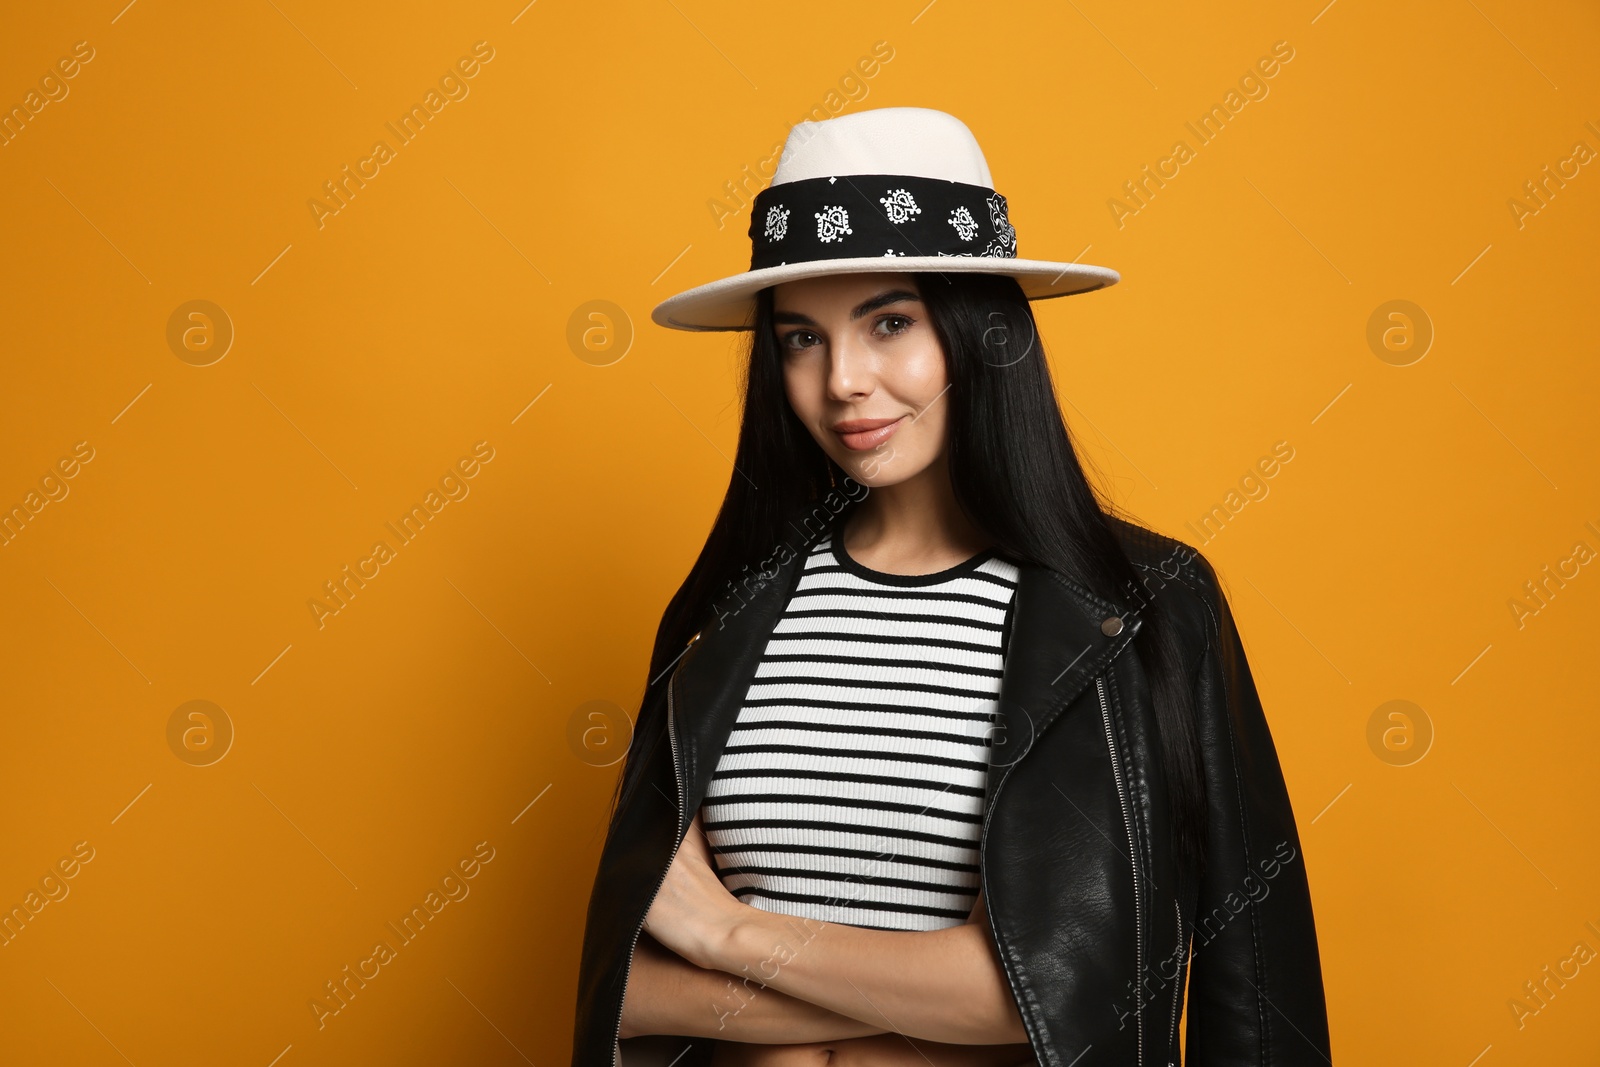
<point>850,368</point>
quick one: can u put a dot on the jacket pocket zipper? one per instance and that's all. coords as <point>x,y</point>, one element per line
<point>1177,987</point>
<point>1133,859</point>
<point>672,740</point>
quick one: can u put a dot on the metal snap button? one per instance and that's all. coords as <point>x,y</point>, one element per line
<point>1112,626</point>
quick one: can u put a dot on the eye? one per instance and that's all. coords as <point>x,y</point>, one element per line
<point>906,320</point>
<point>789,343</point>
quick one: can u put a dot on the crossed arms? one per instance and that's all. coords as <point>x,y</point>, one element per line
<point>716,967</point>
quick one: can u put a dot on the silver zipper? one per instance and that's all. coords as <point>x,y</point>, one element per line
<point>627,969</point>
<point>1177,985</point>
<point>983,867</point>
<point>1133,858</point>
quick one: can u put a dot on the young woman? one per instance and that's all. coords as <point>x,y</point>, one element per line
<point>940,761</point>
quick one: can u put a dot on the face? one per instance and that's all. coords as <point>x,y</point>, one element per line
<point>865,372</point>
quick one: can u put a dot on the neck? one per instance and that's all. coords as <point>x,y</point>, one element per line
<point>914,526</point>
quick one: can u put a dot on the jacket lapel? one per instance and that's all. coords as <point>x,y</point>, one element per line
<point>1057,646</point>
<point>1059,643</point>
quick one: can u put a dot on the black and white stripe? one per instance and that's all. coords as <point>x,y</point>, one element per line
<point>851,787</point>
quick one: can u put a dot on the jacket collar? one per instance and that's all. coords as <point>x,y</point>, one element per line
<point>1059,642</point>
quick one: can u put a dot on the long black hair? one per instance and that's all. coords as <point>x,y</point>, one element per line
<point>1015,473</point>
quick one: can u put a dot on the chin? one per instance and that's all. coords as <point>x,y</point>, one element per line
<point>879,472</point>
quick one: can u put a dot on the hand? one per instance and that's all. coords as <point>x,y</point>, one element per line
<point>693,912</point>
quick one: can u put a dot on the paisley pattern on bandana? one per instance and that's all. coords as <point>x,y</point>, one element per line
<point>899,206</point>
<point>832,224</point>
<point>965,224</point>
<point>777,222</point>
<point>879,215</point>
<point>1005,234</point>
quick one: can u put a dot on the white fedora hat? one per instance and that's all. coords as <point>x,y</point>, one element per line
<point>891,189</point>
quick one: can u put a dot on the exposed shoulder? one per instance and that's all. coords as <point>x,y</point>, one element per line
<point>1167,565</point>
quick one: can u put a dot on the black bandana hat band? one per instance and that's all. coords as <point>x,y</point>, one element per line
<point>852,216</point>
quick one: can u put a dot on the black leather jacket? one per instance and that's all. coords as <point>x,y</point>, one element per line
<point>1096,928</point>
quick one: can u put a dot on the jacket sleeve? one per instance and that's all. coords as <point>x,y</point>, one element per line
<point>1256,994</point>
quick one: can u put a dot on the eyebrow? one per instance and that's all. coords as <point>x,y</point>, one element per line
<point>866,307</point>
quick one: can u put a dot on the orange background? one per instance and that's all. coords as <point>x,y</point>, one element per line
<point>444,705</point>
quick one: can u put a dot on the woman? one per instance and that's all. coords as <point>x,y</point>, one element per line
<point>939,760</point>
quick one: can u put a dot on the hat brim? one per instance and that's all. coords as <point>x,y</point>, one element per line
<point>729,304</point>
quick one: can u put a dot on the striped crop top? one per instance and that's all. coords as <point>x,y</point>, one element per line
<point>851,788</point>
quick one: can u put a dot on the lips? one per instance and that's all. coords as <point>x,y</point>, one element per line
<point>858,435</point>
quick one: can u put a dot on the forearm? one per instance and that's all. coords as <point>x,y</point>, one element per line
<point>941,985</point>
<point>667,994</point>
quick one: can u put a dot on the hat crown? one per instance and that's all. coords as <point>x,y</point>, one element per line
<point>917,141</point>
